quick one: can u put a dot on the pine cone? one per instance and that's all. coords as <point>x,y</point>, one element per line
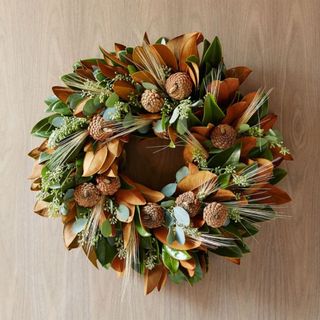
<point>215,214</point>
<point>87,195</point>
<point>152,101</point>
<point>108,185</point>
<point>98,128</point>
<point>223,136</point>
<point>179,86</point>
<point>189,202</point>
<point>152,215</point>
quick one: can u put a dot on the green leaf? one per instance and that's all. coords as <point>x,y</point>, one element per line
<point>182,126</point>
<point>106,228</point>
<point>193,120</point>
<point>90,108</point>
<point>171,236</point>
<point>51,100</point>
<point>170,263</point>
<point>169,189</point>
<point>278,175</point>
<point>139,227</point>
<point>232,252</point>
<point>79,225</point>
<point>112,99</point>
<point>68,195</point>
<point>182,173</point>
<point>178,277</point>
<point>44,156</point>
<point>132,69</point>
<point>225,157</point>
<point>180,236</point>
<point>212,112</point>
<point>74,99</point>
<point>243,128</point>
<point>61,108</point>
<point>44,127</point>
<point>213,54</point>
<point>182,216</point>
<point>122,213</point>
<point>174,116</point>
<point>167,204</point>
<point>149,86</point>
<point>177,254</point>
<point>105,252</point>
<point>198,274</point>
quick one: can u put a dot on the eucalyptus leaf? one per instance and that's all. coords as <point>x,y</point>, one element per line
<point>181,216</point>
<point>169,189</point>
<point>149,86</point>
<point>112,99</point>
<point>74,99</point>
<point>171,236</point>
<point>122,213</point>
<point>79,225</point>
<point>90,107</point>
<point>180,236</point>
<point>182,173</point>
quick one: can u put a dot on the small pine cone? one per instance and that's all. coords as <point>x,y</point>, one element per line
<point>108,185</point>
<point>98,128</point>
<point>223,136</point>
<point>189,202</point>
<point>215,214</point>
<point>179,86</point>
<point>87,195</point>
<point>152,101</point>
<point>152,215</point>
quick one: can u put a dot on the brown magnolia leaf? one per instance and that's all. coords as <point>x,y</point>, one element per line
<point>107,163</point>
<point>172,134</point>
<point>234,260</point>
<point>36,186</point>
<point>79,108</point>
<point>123,89</point>
<point>190,72</point>
<point>114,146</point>
<point>113,58</point>
<point>197,221</point>
<point>265,170</point>
<point>161,234</point>
<point>119,47</point>
<point>69,237</point>
<point>188,264</point>
<point>62,93</point>
<point>146,38</point>
<point>192,168</point>
<point>126,233</point>
<point>35,153</point>
<point>142,54</point>
<point>249,97</point>
<point>149,194</point>
<point>202,130</point>
<point>167,56</point>
<point>278,155</point>
<point>163,279</point>
<point>72,212</point>
<point>224,195</point>
<point>270,194</point>
<point>176,44</point>
<point>131,196</point>
<point>196,180</point>
<point>143,76</point>
<point>113,171</point>
<point>268,121</point>
<point>93,162</point>
<point>196,73</point>
<point>91,255</point>
<point>152,278</point>
<point>241,73</point>
<point>234,112</point>
<point>85,73</point>
<point>36,171</point>
<point>190,48</point>
<point>111,71</point>
<point>226,88</point>
<point>188,153</point>
<point>247,144</point>
<point>41,208</point>
<point>118,265</point>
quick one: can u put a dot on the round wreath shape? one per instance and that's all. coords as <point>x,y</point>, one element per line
<point>168,90</point>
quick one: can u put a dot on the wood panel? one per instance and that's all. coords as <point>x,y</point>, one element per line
<point>279,40</point>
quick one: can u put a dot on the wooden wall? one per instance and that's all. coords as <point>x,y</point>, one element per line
<point>279,40</point>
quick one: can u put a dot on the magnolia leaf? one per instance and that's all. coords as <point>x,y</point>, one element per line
<point>93,162</point>
<point>122,213</point>
<point>181,216</point>
<point>123,89</point>
<point>132,196</point>
<point>166,55</point>
<point>238,72</point>
<point>149,194</point>
<point>69,236</point>
<point>79,225</point>
<point>182,173</point>
<point>143,76</point>
<point>213,55</point>
<point>152,278</point>
<point>177,254</point>
<point>169,189</point>
<point>196,180</point>
<point>149,86</point>
<point>170,263</point>
<point>212,112</point>
<point>174,116</point>
<point>106,228</point>
<point>180,236</point>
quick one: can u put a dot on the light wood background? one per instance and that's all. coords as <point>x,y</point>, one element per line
<point>279,40</point>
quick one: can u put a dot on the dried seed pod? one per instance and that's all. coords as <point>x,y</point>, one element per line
<point>223,136</point>
<point>99,128</point>
<point>152,101</point>
<point>87,195</point>
<point>215,214</point>
<point>189,202</point>
<point>179,86</point>
<point>108,185</point>
<point>152,215</point>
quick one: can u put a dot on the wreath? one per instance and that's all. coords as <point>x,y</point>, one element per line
<point>167,90</point>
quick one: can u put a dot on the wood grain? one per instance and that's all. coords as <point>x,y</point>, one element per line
<point>279,40</point>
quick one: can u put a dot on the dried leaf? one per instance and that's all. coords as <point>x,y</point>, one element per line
<point>93,162</point>
<point>36,171</point>
<point>91,255</point>
<point>163,279</point>
<point>167,56</point>
<point>35,153</point>
<point>224,195</point>
<point>270,194</point>
<point>188,49</point>
<point>126,233</point>
<point>123,89</point>
<point>188,264</point>
<point>113,58</point>
<point>118,265</point>
<point>234,112</point>
<point>115,147</point>
<point>152,278</point>
<point>111,71</point>
<point>202,130</point>
<point>241,73</point>
<point>69,236</point>
<point>143,76</point>
<point>62,93</point>
<point>196,180</point>
<point>268,121</point>
<point>161,234</point>
<point>107,163</point>
<point>132,196</point>
<point>41,208</point>
<point>247,144</point>
<point>234,260</point>
<point>149,194</point>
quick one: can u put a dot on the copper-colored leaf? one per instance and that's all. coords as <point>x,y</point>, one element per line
<point>224,195</point>
<point>123,89</point>
<point>234,112</point>
<point>93,162</point>
<point>126,233</point>
<point>247,144</point>
<point>149,194</point>
<point>62,93</point>
<point>107,163</point>
<point>69,236</point>
<point>152,278</point>
<point>226,88</point>
<point>41,208</point>
<point>196,180</point>
<point>193,168</point>
<point>270,194</point>
<point>91,255</point>
<point>163,279</point>
<point>188,49</point>
<point>278,155</point>
<point>167,56</point>
<point>111,71</point>
<point>241,73</point>
<point>118,264</point>
<point>161,234</point>
<point>132,196</point>
<point>268,121</point>
<point>234,260</point>
<point>35,153</point>
<point>113,58</point>
<point>143,76</point>
<point>119,47</point>
<point>114,146</point>
<point>85,73</point>
<point>188,264</point>
<point>202,130</point>
<point>36,171</point>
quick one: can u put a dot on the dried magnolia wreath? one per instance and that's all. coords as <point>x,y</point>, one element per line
<point>165,89</point>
